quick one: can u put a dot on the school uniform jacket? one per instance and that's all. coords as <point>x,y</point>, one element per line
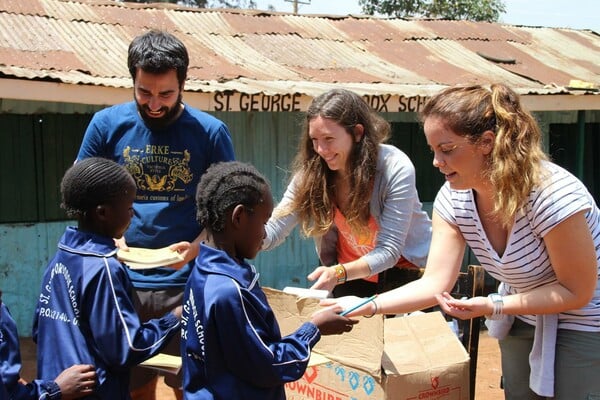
<point>85,315</point>
<point>10,366</point>
<point>231,343</point>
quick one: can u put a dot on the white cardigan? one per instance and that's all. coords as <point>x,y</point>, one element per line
<point>404,228</point>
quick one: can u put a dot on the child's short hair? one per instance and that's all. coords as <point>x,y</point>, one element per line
<point>225,185</point>
<point>91,182</point>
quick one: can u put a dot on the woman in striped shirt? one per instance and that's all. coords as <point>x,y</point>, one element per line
<point>532,225</point>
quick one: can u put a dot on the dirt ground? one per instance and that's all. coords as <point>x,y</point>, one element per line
<point>487,386</point>
<point>488,369</point>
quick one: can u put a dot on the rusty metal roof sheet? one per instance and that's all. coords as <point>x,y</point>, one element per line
<point>85,42</point>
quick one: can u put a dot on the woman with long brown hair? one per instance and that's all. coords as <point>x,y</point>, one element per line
<point>355,195</point>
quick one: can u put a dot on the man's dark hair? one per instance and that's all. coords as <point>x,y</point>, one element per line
<point>225,185</point>
<point>157,52</point>
<point>91,182</point>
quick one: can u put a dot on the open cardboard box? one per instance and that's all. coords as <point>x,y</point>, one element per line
<point>404,358</point>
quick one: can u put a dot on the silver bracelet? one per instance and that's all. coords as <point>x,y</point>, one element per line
<point>374,312</point>
<point>498,303</point>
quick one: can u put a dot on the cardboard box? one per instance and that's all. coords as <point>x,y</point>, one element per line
<point>405,358</point>
<point>423,359</point>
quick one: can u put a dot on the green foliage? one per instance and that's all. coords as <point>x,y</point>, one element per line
<point>473,10</point>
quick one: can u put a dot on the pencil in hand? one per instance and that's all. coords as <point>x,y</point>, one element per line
<point>357,306</point>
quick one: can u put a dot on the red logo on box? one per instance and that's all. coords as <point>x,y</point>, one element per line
<point>312,375</point>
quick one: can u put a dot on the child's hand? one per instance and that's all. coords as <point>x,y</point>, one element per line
<point>330,322</point>
<point>76,381</point>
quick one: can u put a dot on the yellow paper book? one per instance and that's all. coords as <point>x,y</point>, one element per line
<point>163,362</point>
<point>139,258</point>
<point>317,359</point>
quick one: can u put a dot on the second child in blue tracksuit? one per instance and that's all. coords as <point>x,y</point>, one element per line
<point>231,343</point>
<point>85,312</point>
<point>74,382</point>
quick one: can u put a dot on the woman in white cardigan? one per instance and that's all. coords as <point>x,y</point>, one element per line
<point>355,196</point>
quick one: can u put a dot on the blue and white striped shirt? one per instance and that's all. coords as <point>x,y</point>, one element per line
<point>525,263</point>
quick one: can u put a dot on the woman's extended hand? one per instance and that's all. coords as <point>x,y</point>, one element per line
<point>185,250</point>
<point>120,243</point>
<point>344,303</point>
<point>464,308</point>
<point>177,311</point>
<point>325,278</point>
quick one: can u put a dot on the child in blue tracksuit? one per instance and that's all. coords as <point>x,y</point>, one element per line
<point>231,344</point>
<point>75,381</point>
<point>85,312</point>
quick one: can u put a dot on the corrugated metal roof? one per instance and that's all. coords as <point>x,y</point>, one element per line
<point>85,42</point>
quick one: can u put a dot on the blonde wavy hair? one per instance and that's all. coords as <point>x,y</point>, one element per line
<point>314,199</point>
<point>515,165</point>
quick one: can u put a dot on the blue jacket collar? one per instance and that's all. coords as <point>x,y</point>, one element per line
<point>215,261</point>
<point>86,243</point>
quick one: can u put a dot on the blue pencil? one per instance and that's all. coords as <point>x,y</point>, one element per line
<point>359,305</point>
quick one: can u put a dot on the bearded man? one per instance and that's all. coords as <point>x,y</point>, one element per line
<point>166,145</point>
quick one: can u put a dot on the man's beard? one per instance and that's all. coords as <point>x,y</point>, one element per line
<point>156,124</point>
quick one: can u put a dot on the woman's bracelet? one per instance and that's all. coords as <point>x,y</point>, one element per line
<point>374,311</point>
<point>340,273</point>
<point>498,304</point>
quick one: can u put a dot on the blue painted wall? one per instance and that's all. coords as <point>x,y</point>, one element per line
<point>25,252</point>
